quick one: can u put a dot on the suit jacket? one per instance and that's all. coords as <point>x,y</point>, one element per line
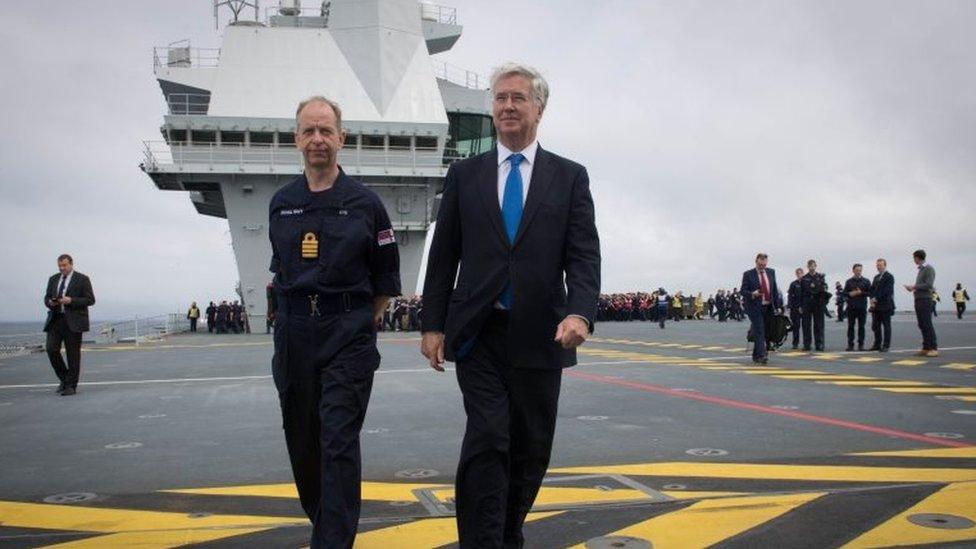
<point>76,313</point>
<point>750,283</point>
<point>553,264</point>
<point>883,292</point>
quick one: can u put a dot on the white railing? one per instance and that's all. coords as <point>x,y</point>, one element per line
<point>438,14</point>
<point>138,330</point>
<point>459,76</point>
<point>184,57</point>
<point>160,154</point>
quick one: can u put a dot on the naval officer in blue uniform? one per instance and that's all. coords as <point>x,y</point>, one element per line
<point>336,265</point>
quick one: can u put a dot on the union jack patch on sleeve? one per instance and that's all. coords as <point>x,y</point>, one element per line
<point>385,237</point>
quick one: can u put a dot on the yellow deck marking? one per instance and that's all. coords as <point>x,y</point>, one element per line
<point>794,353</point>
<point>837,377</point>
<point>968,452</point>
<point>825,356</point>
<point>670,345</point>
<point>777,371</point>
<point>156,540</point>
<point>838,473</point>
<point>691,346</point>
<point>955,499</point>
<point>964,399</point>
<point>931,390</point>
<point>959,366</point>
<point>422,533</point>
<point>866,359</point>
<point>381,491</point>
<point>162,527</point>
<point>882,383</point>
<point>712,348</point>
<point>909,362</point>
<point>709,522</point>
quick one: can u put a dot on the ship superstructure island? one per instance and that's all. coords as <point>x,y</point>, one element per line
<point>228,133</point>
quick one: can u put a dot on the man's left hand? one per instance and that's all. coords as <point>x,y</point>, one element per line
<point>66,300</point>
<point>571,332</point>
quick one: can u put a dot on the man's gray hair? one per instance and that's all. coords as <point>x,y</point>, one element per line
<point>540,88</point>
<point>320,99</point>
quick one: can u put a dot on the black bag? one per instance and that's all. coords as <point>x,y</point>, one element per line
<point>777,329</point>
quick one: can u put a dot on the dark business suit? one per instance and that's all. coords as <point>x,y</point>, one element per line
<point>508,365</point>
<point>758,313</point>
<point>65,328</point>
<point>883,294</point>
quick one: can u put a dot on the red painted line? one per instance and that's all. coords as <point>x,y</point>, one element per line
<point>647,387</point>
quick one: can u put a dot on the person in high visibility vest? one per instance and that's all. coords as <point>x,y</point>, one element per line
<point>960,296</point>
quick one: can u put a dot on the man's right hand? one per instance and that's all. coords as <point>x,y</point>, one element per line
<point>432,347</point>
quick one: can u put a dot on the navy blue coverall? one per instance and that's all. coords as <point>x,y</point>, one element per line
<point>332,252</point>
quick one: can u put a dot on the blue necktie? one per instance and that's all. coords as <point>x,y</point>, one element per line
<point>512,214</point>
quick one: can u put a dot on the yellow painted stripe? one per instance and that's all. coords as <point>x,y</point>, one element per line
<point>883,383</point>
<point>866,359</point>
<point>962,398</point>
<point>841,473</point>
<point>708,522</point>
<point>422,534</point>
<point>794,353</point>
<point>156,540</point>
<point>955,499</point>
<point>836,377</point>
<point>959,366</point>
<point>712,348</point>
<point>111,521</point>
<point>380,491</point>
<point>782,371</point>
<point>825,356</point>
<point>560,495</point>
<point>931,390</point>
<point>909,362</point>
<point>968,452</point>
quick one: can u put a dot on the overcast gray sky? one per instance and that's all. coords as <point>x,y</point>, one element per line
<point>837,130</point>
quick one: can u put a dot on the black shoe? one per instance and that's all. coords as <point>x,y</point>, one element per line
<point>805,348</point>
<point>795,346</point>
<point>883,349</point>
<point>68,391</point>
<point>875,348</point>
<point>61,388</point>
<point>820,349</point>
<point>765,360</point>
<point>848,349</point>
<point>860,347</point>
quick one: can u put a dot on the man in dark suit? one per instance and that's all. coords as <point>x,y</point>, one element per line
<point>814,296</point>
<point>882,306</point>
<point>518,219</point>
<point>762,298</point>
<point>794,304</point>
<point>856,291</point>
<point>67,297</point>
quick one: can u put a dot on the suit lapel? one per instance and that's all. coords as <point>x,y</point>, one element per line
<point>542,174</point>
<point>488,189</point>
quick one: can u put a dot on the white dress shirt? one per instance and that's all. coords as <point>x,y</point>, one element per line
<point>67,282</point>
<point>525,168</point>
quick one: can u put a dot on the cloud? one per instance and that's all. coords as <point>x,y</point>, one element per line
<point>835,130</point>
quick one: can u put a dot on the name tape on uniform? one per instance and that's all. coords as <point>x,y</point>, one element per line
<point>385,237</point>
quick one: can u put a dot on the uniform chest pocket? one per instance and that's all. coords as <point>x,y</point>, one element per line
<point>286,233</point>
<point>344,247</point>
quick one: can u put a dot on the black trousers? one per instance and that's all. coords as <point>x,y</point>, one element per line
<point>759,318</point>
<point>323,369</point>
<point>795,322</point>
<point>881,326</point>
<point>193,324</point>
<point>960,309</point>
<point>859,317</point>
<point>507,441</point>
<point>841,311</point>
<point>59,334</point>
<point>923,314</point>
<point>813,317</point>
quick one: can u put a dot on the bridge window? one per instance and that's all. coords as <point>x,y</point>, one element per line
<point>352,141</point>
<point>203,137</point>
<point>374,141</point>
<point>426,142</point>
<point>232,138</point>
<point>262,138</point>
<point>399,142</point>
